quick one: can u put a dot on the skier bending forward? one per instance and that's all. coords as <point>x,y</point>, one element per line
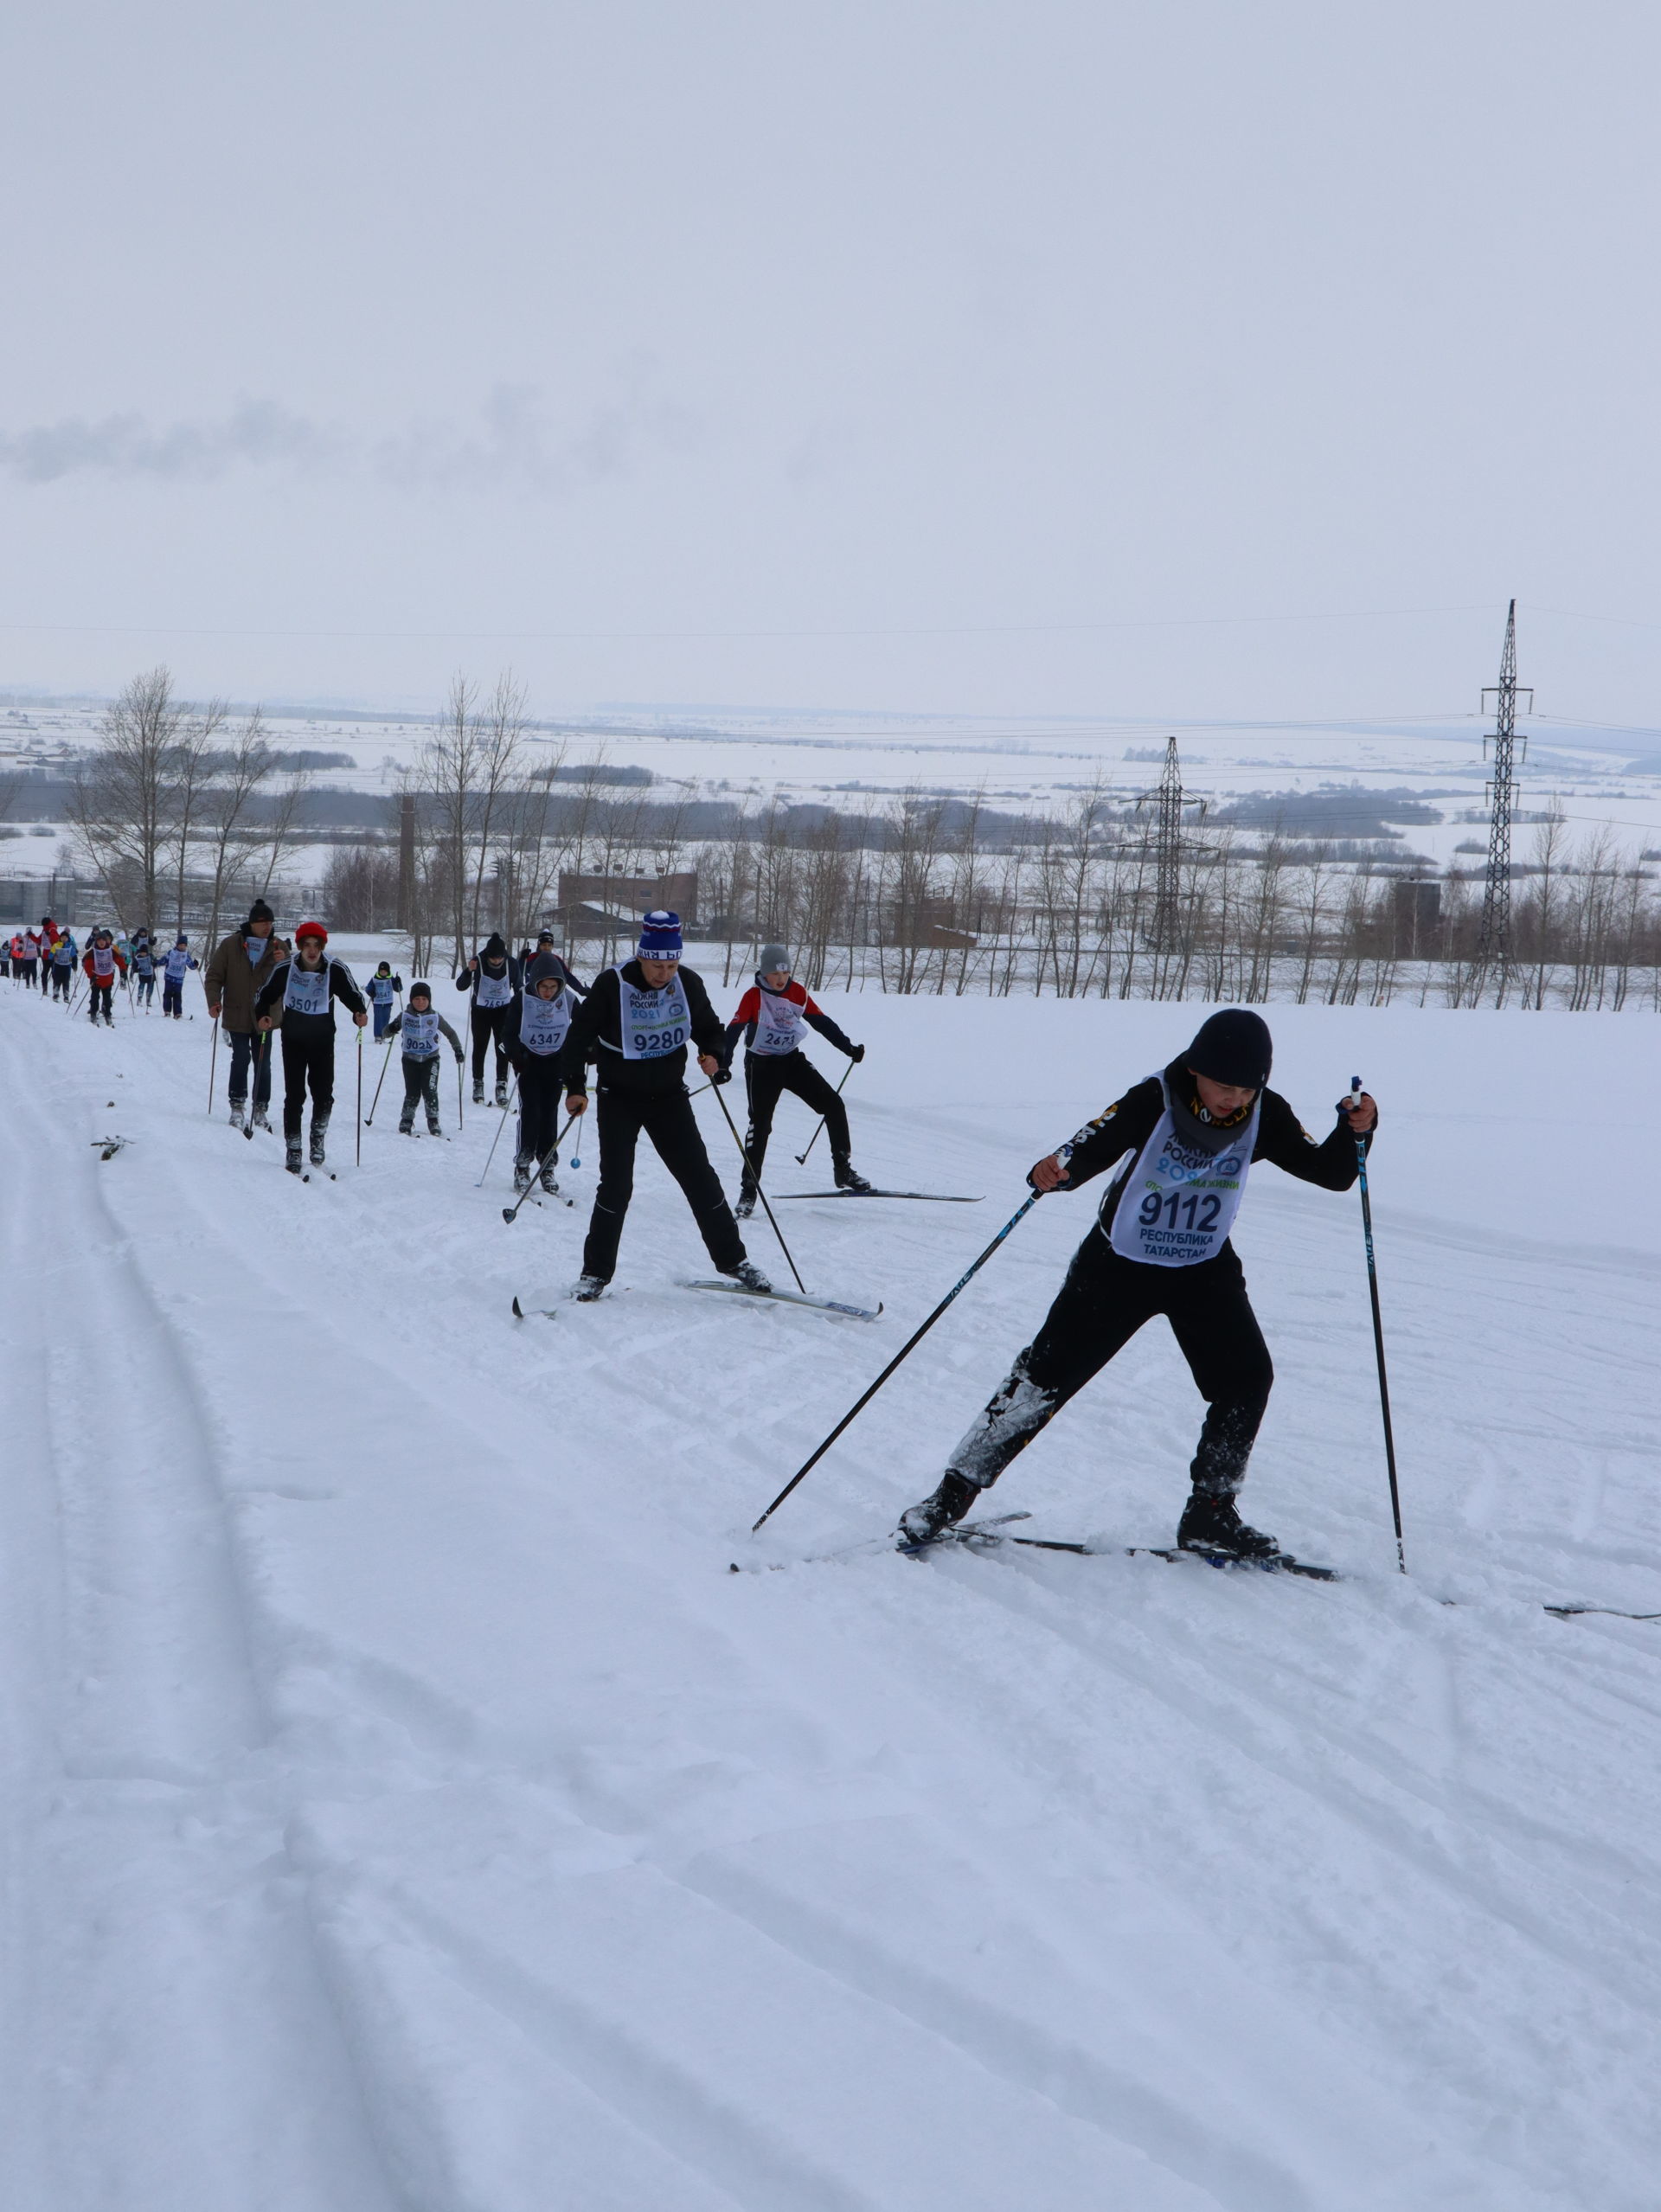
<point>1160,1245</point>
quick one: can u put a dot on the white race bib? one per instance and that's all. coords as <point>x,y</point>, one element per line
<point>419,1034</point>
<point>306,993</point>
<point>103,964</point>
<point>1178,1203</point>
<point>493,991</point>
<point>178,964</point>
<point>543,1022</point>
<point>654,1022</point>
<point>778,1025</point>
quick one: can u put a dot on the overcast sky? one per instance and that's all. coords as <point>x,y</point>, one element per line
<point>1232,361</point>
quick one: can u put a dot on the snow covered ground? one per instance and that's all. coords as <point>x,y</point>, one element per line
<point>405,1805</point>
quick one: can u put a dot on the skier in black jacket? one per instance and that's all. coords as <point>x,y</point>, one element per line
<point>538,1021</point>
<point>304,990</point>
<point>770,1018</point>
<point>636,1023</point>
<point>493,978</point>
<point>1160,1245</point>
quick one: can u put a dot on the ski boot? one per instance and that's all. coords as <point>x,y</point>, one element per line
<point>479,1089</point>
<point>846,1177</point>
<point>501,1091</point>
<point>319,1131</point>
<point>261,1119</point>
<point>291,1158</point>
<point>587,1288</point>
<point>550,1180</point>
<point>236,1114</point>
<point>407,1122</point>
<point>524,1170</point>
<point>747,1276</point>
<point>432,1128</point>
<point>1211,1522</point>
<point>745,1205</point>
<point>921,1523</point>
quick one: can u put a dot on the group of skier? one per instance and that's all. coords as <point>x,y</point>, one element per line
<point>1180,1145</point>
<point>45,958</point>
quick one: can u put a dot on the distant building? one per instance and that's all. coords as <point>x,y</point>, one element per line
<point>634,895</point>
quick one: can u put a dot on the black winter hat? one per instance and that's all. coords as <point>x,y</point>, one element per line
<point>259,911</point>
<point>420,990</point>
<point>495,947</point>
<point>1232,1047</point>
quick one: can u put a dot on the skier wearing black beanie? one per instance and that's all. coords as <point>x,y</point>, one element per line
<point>1160,1244</point>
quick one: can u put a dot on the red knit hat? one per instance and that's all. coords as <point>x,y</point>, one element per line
<point>311,929</point>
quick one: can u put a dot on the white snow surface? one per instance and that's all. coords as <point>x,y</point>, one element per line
<point>406,1807</point>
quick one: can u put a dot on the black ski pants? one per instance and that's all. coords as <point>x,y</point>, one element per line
<point>307,1062</point>
<point>767,1075</point>
<point>258,1045</point>
<point>29,967</point>
<point>538,1106</point>
<point>98,996</point>
<point>490,1022</point>
<point>421,1086</point>
<point>667,1117</point>
<point>61,978</point>
<point>1099,1307</point>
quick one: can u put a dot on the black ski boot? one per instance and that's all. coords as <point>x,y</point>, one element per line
<point>319,1131</point>
<point>746,1203</point>
<point>479,1089</point>
<point>292,1158</point>
<point>587,1288</point>
<point>432,1128</point>
<point>523,1171</point>
<point>261,1119</point>
<point>747,1276</point>
<point>407,1122</point>
<point>236,1114</point>
<point>921,1523</point>
<point>501,1090</point>
<point>848,1177</point>
<point>1211,1522</point>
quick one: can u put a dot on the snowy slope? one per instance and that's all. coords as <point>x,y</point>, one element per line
<point>406,1806</point>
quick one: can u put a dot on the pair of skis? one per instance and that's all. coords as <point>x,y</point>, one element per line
<point>993,1535</point>
<point>546,1304</point>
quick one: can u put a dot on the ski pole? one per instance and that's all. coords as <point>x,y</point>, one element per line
<point>801,1157</point>
<point>756,1182</point>
<point>213,1061</point>
<point>1378,1332</point>
<point>904,1350</point>
<point>511,1213</point>
<point>260,1057</point>
<point>360,1099</point>
<point>497,1139</point>
<point>461,1123</point>
<point>375,1101</point>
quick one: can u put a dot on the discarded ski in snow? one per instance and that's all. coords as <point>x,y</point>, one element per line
<point>107,1147</point>
<point>538,1302</point>
<point>789,1298</point>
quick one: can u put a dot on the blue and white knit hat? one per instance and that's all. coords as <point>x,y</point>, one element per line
<point>660,937</point>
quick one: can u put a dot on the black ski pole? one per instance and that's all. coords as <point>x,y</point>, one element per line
<point>511,1213</point>
<point>375,1101</point>
<point>755,1181</point>
<point>1378,1335</point>
<point>213,1061</point>
<point>260,1058</point>
<point>460,1122</point>
<point>497,1139</point>
<point>904,1350</point>
<point>360,1098</point>
<point>801,1157</point>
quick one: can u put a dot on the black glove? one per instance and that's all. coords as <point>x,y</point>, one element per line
<point>855,1053</point>
<point>722,1075</point>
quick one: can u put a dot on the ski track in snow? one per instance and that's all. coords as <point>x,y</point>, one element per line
<point>407,1809</point>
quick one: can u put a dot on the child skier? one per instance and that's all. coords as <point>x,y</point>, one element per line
<point>381,986</point>
<point>304,990</point>
<point>770,1018</point>
<point>538,1022</point>
<point>636,1023</point>
<point>494,981</point>
<point>421,1029</point>
<point>1161,1245</point>
<point>143,974</point>
<point>63,962</point>
<point>103,966</point>
<point>177,965</point>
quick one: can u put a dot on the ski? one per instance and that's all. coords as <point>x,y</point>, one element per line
<point>541,1312</point>
<point>1276,1562</point>
<point>789,1298</point>
<point>871,1544</point>
<point>982,1536</point>
<point>107,1147</point>
<point>928,1197</point>
<point>1611,1612</point>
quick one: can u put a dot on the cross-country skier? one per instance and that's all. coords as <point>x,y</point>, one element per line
<point>635,1023</point>
<point>770,1018</point>
<point>33,949</point>
<point>176,966</point>
<point>538,1022</point>
<point>64,955</point>
<point>143,975</point>
<point>304,989</point>
<point>380,987</point>
<point>493,979</point>
<point>1161,1245</point>
<point>241,965</point>
<point>421,1029</point>
<point>104,968</point>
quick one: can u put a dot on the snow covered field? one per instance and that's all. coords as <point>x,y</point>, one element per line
<point>405,1806</point>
